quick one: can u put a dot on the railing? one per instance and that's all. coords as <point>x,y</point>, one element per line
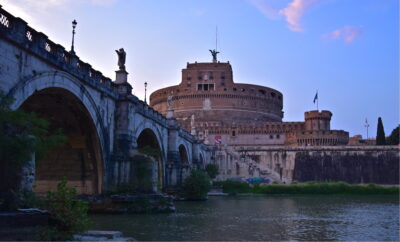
<point>17,31</point>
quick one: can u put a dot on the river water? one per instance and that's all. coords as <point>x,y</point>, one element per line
<point>316,217</point>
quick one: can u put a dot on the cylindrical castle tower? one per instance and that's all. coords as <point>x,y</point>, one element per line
<point>208,92</point>
<point>316,120</point>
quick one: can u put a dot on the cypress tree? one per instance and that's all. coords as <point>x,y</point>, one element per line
<point>380,133</point>
<point>393,139</point>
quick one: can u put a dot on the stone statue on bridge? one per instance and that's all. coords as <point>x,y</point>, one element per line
<point>121,58</point>
<point>214,55</point>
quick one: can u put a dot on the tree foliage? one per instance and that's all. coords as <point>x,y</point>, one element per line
<point>68,215</point>
<point>393,139</point>
<point>21,135</point>
<point>380,133</point>
<point>212,170</point>
<point>196,186</point>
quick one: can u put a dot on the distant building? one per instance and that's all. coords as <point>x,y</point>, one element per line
<point>210,105</point>
<point>358,140</point>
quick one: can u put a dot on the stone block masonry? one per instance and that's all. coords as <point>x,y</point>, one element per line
<point>352,164</point>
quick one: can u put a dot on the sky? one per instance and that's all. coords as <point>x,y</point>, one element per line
<point>348,50</point>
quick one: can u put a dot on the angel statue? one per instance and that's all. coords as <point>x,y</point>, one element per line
<point>214,55</point>
<point>121,58</point>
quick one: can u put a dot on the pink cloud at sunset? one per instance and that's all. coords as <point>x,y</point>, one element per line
<point>292,13</point>
<point>295,11</point>
<point>348,34</point>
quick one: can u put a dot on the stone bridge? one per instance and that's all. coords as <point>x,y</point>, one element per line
<point>105,124</point>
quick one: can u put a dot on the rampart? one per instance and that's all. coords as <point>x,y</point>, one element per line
<point>352,164</point>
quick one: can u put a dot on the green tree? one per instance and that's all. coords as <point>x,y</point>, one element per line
<point>196,186</point>
<point>68,216</point>
<point>380,133</point>
<point>21,135</point>
<point>393,139</point>
<point>212,170</point>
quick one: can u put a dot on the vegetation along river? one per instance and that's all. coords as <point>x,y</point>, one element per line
<point>317,217</point>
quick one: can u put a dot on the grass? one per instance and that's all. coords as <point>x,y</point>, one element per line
<point>234,187</point>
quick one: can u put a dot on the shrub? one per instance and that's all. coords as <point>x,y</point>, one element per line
<point>68,216</point>
<point>21,135</point>
<point>196,186</point>
<point>141,178</point>
<point>212,170</point>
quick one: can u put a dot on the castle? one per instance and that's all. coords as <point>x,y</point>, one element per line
<point>210,105</point>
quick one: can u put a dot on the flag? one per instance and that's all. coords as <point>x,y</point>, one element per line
<point>316,97</point>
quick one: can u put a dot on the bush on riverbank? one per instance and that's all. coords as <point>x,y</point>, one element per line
<point>196,186</point>
<point>233,187</point>
<point>68,215</point>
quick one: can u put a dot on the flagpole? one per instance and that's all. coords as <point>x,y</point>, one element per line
<point>317,101</point>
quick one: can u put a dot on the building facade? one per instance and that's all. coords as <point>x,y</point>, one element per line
<point>210,105</point>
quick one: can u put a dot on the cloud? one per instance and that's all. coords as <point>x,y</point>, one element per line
<point>265,8</point>
<point>105,3</point>
<point>292,13</point>
<point>295,11</point>
<point>348,34</point>
<point>28,8</point>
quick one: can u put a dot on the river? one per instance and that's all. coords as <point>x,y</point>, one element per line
<point>316,217</point>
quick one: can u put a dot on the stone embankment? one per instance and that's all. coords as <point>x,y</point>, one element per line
<point>351,164</point>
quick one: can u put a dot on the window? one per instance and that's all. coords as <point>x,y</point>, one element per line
<point>233,133</point>
<point>273,94</point>
<point>234,89</point>
<point>271,136</point>
<point>211,86</point>
<point>261,92</point>
<point>205,87</point>
<point>278,136</point>
<point>223,75</point>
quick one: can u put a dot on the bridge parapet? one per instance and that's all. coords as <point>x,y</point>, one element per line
<point>17,31</point>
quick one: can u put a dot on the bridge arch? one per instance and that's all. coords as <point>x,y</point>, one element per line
<point>146,125</point>
<point>67,104</point>
<point>148,139</point>
<point>183,154</point>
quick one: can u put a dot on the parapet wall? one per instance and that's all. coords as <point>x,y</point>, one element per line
<point>352,164</point>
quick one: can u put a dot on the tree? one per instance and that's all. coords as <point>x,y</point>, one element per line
<point>21,135</point>
<point>380,133</point>
<point>196,186</point>
<point>393,139</point>
<point>212,170</point>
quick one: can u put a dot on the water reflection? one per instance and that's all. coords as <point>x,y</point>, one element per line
<point>266,218</point>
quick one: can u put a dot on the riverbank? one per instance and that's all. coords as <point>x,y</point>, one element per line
<point>235,187</point>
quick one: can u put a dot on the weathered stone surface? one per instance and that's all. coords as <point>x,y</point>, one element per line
<point>352,167</point>
<point>353,164</point>
<point>101,118</point>
<point>100,235</point>
<point>22,225</point>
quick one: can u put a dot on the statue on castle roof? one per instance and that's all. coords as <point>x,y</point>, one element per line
<point>121,58</point>
<point>214,55</point>
<point>170,104</point>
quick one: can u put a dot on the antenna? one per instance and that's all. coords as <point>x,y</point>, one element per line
<point>216,37</point>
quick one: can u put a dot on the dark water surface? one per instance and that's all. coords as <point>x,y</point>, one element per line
<point>266,218</point>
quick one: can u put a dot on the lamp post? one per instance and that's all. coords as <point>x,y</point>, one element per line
<point>74,23</point>
<point>145,92</point>
<point>366,125</point>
